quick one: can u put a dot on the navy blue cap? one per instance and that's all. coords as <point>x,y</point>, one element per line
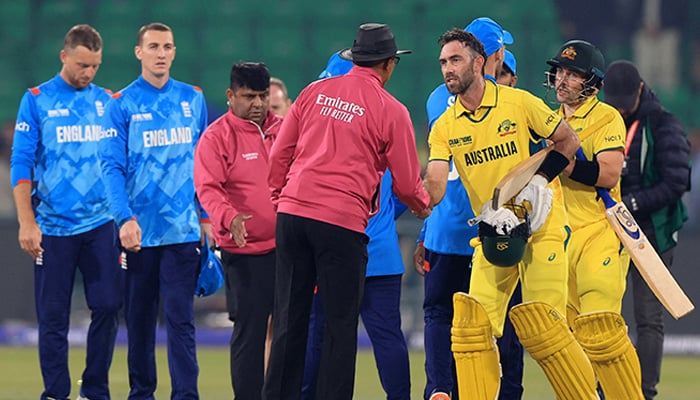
<point>509,61</point>
<point>490,34</point>
<point>336,66</point>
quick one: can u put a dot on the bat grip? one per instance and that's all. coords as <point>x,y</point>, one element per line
<point>603,193</point>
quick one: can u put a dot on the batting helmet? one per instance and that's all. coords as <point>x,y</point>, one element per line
<point>579,56</point>
<point>505,250</point>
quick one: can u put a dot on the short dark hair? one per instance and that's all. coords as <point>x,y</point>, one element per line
<point>153,26</point>
<point>466,38</point>
<point>252,75</point>
<point>83,35</point>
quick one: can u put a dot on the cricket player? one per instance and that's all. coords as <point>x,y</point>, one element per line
<point>443,253</point>
<point>63,213</point>
<point>148,162</point>
<point>490,129</point>
<point>598,273</point>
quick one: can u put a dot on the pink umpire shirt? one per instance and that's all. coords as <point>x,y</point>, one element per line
<point>230,175</point>
<point>338,137</point>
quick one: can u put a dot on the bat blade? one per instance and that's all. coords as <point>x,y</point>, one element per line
<point>648,263</point>
<point>517,178</point>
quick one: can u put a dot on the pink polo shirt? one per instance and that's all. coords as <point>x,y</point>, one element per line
<point>338,137</point>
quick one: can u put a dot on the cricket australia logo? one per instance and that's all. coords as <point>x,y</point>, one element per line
<point>507,127</point>
<point>502,246</point>
<point>569,53</point>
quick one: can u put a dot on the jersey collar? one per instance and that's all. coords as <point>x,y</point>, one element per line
<point>488,101</point>
<point>584,109</point>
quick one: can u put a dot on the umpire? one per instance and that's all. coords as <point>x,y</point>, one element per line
<point>335,143</point>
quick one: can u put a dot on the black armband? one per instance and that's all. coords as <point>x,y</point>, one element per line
<point>586,172</point>
<point>553,164</point>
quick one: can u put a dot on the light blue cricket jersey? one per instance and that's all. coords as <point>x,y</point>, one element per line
<point>56,149</point>
<point>446,230</point>
<point>384,254</point>
<point>148,159</point>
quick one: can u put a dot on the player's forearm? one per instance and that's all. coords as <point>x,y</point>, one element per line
<point>435,189</point>
<point>23,201</point>
<point>565,140</point>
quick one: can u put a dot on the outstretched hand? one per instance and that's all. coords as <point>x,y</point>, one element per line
<point>238,231</point>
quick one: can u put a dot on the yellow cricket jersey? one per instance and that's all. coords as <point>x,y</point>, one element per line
<point>582,204</point>
<point>504,130</point>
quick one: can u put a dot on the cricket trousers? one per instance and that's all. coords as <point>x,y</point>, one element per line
<point>381,317</point>
<point>250,285</point>
<point>447,275</point>
<point>169,272</point>
<point>310,252</point>
<point>96,254</point>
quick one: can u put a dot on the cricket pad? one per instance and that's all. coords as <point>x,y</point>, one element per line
<point>603,336</point>
<point>544,333</point>
<point>474,349</point>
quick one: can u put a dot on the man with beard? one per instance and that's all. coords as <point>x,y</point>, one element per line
<point>597,270</point>
<point>443,253</point>
<point>489,130</point>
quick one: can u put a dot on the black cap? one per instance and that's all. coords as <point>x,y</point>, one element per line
<point>374,42</point>
<point>621,85</point>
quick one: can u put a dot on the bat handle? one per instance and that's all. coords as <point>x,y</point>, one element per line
<point>603,193</point>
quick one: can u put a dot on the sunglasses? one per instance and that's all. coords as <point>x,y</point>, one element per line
<point>396,60</point>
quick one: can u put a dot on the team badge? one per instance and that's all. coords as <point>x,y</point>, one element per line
<point>569,53</point>
<point>100,108</point>
<point>186,110</point>
<point>507,127</point>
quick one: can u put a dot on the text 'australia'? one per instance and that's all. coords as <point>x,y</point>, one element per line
<point>490,153</point>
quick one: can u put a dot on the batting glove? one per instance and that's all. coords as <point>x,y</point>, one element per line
<point>503,219</point>
<point>537,197</point>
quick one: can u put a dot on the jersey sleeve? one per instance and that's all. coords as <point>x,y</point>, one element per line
<point>113,148</point>
<point>438,142</point>
<point>611,136</point>
<point>26,141</point>
<point>283,150</point>
<point>540,118</point>
<point>402,160</point>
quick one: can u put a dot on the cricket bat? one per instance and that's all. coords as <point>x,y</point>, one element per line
<point>518,177</point>
<point>646,259</point>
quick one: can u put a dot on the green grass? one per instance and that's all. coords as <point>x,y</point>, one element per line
<point>20,378</point>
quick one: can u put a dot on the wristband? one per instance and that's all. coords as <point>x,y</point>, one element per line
<point>553,164</point>
<point>586,172</point>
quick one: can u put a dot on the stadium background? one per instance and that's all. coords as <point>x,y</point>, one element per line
<point>295,38</point>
